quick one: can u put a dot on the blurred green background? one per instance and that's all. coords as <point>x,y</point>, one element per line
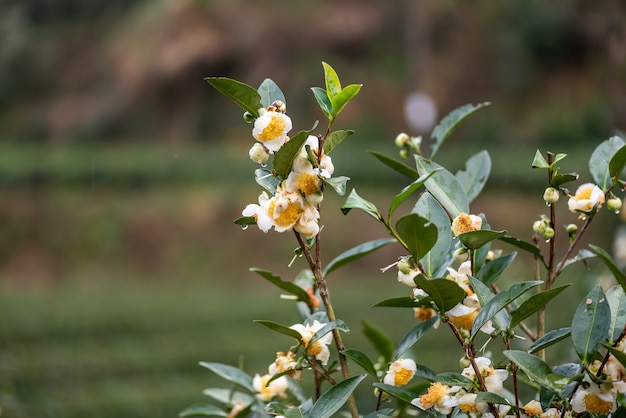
<point>121,171</point>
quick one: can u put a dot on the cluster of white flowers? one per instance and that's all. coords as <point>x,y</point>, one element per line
<point>319,348</point>
<point>294,205</point>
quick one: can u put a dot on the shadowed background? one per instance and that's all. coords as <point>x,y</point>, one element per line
<point>121,170</point>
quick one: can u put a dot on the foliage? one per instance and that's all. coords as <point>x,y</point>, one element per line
<point>448,260</point>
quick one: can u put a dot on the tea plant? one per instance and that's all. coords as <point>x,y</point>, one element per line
<point>451,266</point>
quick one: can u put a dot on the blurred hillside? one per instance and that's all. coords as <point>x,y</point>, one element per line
<point>74,71</point>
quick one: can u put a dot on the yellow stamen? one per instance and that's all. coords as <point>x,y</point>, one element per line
<point>287,217</point>
<point>273,130</point>
<point>464,321</point>
<point>435,393</point>
<point>595,405</point>
<point>308,183</point>
<point>402,377</point>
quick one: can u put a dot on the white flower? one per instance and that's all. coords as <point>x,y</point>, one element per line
<point>285,362</point>
<point>271,129</point>
<point>588,196</point>
<point>319,348</point>
<point>493,377</point>
<point>266,392</point>
<point>460,276</point>
<point>408,277</point>
<point>400,372</point>
<point>533,409</point>
<point>466,223</point>
<point>301,163</point>
<point>594,399</point>
<point>258,153</point>
<point>437,397</point>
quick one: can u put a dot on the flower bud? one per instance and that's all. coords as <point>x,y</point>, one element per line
<point>551,195</point>
<point>614,204</point>
<point>461,255</point>
<point>258,154</point>
<point>571,229</point>
<point>404,266</point>
<point>404,153</point>
<point>279,106</point>
<point>464,362</point>
<point>539,227</point>
<point>402,139</point>
<point>548,233</point>
<point>247,116</point>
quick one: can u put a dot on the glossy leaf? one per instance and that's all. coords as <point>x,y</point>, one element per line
<point>455,379</point>
<point>490,271</point>
<point>339,184</point>
<point>475,175</point>
<point>499,302</point>
<point>333,86</point>
<point>534,303</point>
<point>445,293</point>
<point>406,192</point>
<point>245,221</point>
<point>230,373</point>
<point>526,246</point>
<point>270,92</point>
<point>617,163</point>
<point>335,138</point>
<point>491,397</point>
<point>244,95</point>
<point>336,324</point>
<point>417,233</point>
<point>502,319</point>
<point>600,160</point>
<point>362,360</point>
<point>355,253</point>
<point>379,340</point>
<point>608,260</point>
<point>284,157</point>
<point>582,255</point>
<point>334,398</point>
<point>444,187</point>
<point>341,99</point>
<point>590,324</point>
<point>449,123</point>
<point>266,179</point>
<point>413,336</point>
<point>394,164</point>
<point>617,302</point>
<point>427,207</point>
<point>551,337</point>
<point>287,286</point>
<point>279,328</point>
<point>536,369</point>
<point>539,161</point>
<point>476,239</point>
<point>203,411</point>
<point>402,302</point>
<point>225,396</point>
<point>323,101</point>
<point>354,201</point>
<point>560,179</point>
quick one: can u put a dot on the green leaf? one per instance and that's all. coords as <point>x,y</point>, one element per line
<point>490,271</point>
<point>418,234</point>
<point>203,411</point>
<point>402,302</point>
<point>502,319</point>
<point>550,338</point>
<point>536,369</point>
<point>354,201</point>
<point>617,302</point>
<point>355,253</point>
<point>342,98</point>
<point>582,255</point>
<point>269,93</point>
<point>245,96</point>
<point>289,287</point>
<point>539,161</point>
<point>560,179</point>
<point>444,187</point>
<point>608,260</point>
<point>335,397</point>
<point>413,336</point>
<point>284,157</point>
<point>427,207</point>
<point>396,391</point>
<point>473,179</point>
<point>230,373</point>
<point>323,101</point>
<point>445,293</point>
<point>279,328</point>
<point>396,165</point>
<point>617,163</point>
<point>476,239</point>
<point>333,86</point>
<point>245,221</point>
<point>406,192</point>
<point>590,324</point>
<point>338,183</point>
<point>499,302</point>
<point>526,246</point>
<point>600,160</point>
<point>491,397</point>
<point>226,396</point>
<point>336,324</point>
<point>362,360</point>
<point>335,138</point>
<point>455,379</point>
<point>266,179</point>
<point>534,303</point>
<point>379,340</point>
<point>449,123</point>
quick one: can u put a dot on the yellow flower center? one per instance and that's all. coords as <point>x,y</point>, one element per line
<point>308,183</point>
<point>464,321</point>
<point>315,348</point>
<point>595,405</point>
<point>463,224</point>
<point>402,377</point>
<point>468,407</point>
<point>435,393</point>
<point>287,217</point>
<point>584,193</point>
<point>424,314</point>
<point>274,129</point>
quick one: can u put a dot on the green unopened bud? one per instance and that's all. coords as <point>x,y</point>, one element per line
<point>461,255</point>
<point>571,229</point>
<point>402,139</point>
<point>404,266</point>
<point>404,153</point>
<point>259,154</point>
<point>464,362</point>
<point>548,233</point>
<point>551,195</point>
<point>247,116</point>
<point>614,204</point>
<point>539,227</point>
